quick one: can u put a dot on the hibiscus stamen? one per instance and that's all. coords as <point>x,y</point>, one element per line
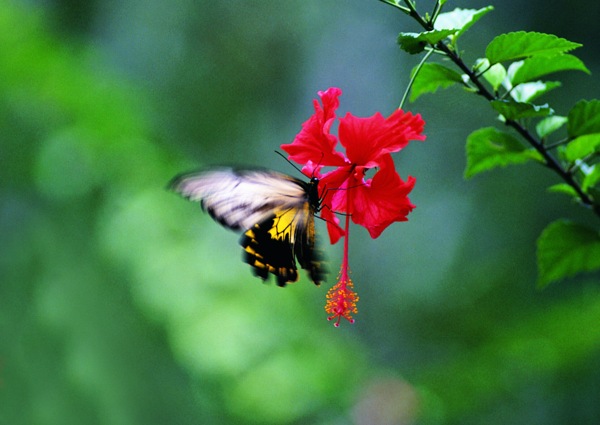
<point>341,302</point>
<point>341,299</point>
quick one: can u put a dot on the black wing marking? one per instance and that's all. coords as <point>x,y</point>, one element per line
<point>273,246</point>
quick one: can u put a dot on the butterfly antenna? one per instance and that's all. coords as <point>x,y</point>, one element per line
<point>290,162</point>
<point>318,164</point>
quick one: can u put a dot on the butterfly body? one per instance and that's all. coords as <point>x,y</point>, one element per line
<point>275,210</point>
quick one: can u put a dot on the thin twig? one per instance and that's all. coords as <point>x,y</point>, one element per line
<point>394,4</point>
<point>557,144</point>
<point>436,11</point>
<point>412,79</point>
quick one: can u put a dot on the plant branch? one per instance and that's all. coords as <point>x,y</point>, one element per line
<point>413,12</point>
<point>550,161</point>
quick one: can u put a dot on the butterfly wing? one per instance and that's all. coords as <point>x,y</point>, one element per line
<point>238,199</point>
<point>273,245</point>
<point>277,210</point>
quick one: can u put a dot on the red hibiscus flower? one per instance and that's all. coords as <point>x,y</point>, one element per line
<point>372,202</point>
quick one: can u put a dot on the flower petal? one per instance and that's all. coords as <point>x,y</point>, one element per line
<point>366,139</point>
<point>333,198</point>
<point>382,200</point>
<point>335,187</point>
<point>333,225</point>
<point>313,142</point>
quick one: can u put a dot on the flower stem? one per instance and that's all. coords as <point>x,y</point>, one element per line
<point>412,78</point>
<point>346,244</point>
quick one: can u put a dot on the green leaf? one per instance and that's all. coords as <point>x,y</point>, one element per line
<point>414,43</point>
<point>549,125</point>
<point>528,92</point>
<point>494,75</point>
<point>565,249</point>
<point>521,44</point>
<point>565,189</point>
<point>538,66</point>
<point>460,19</point>
<point>591,179</point>
<point>517,110</point>
<point>431,77</point>
<point>584,118</point>
<point>488,148</point>
<point>582,146</point>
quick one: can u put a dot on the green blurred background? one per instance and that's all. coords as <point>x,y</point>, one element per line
<point>121,303</point>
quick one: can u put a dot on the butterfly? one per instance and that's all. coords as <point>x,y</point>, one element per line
<point>275,211</point>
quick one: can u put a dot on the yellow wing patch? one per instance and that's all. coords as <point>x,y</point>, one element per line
<point>287,223</point>
<point>273,245</point>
